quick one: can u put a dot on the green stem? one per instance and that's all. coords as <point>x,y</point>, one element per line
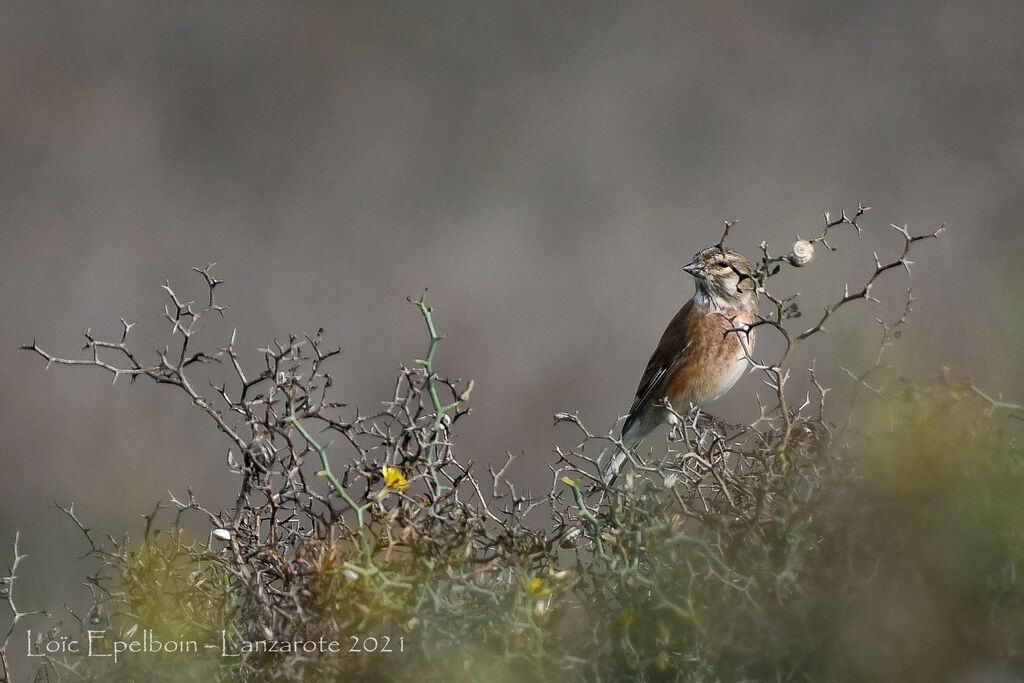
<point>435,400</point>
<point>588,515</point>
<point>326,473</point>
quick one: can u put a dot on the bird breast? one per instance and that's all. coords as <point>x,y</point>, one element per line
<point>718,359</point>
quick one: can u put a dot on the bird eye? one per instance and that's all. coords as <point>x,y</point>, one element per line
<point>722,264</point>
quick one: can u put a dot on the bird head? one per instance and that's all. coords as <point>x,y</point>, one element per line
<point>724,278</point>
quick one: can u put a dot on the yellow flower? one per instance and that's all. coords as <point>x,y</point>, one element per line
<point>536,588</point>
<point>393,478</point>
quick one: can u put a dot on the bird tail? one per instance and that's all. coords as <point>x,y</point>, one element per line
<point>632,434</point>
<point>611,470</point>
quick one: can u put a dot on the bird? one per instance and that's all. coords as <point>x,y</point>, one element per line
<point>703,351</point>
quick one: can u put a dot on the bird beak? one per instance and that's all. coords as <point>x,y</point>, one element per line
<point>694,269</point>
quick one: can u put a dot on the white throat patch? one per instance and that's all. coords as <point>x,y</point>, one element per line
<point>702,297</point>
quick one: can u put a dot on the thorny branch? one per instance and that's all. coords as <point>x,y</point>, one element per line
<point>7,585</point>
<point>784,308</point>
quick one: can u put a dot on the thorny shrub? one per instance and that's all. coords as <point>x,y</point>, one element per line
<point>801,546</point>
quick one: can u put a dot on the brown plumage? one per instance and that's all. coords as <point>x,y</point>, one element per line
<point>698,359</point>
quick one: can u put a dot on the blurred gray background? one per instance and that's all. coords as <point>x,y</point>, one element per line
<point>544,169</point>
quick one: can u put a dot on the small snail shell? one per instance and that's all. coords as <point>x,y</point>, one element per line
<point>802,254</point>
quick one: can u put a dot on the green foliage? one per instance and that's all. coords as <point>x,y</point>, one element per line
<point>892,554</point>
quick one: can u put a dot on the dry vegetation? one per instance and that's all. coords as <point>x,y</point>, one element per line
<point>878,540</point>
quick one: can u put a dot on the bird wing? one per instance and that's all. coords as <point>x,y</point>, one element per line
<point>674,342</point>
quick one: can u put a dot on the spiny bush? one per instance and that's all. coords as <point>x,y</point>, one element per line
<point>879,542</point>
